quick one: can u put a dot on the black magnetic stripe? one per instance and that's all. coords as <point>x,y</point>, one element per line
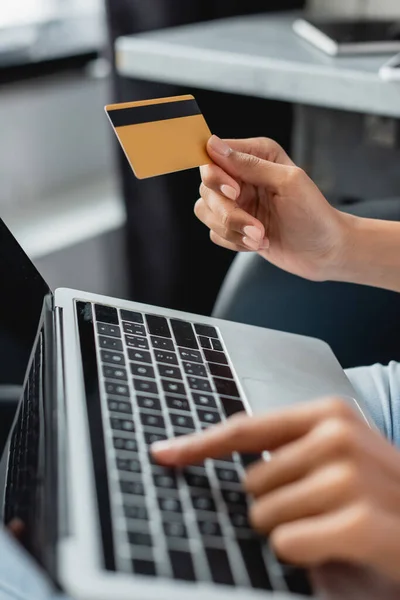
<point>121,117</point>
<point>93,406</point>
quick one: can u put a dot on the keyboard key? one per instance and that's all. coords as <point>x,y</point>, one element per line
<point>190,355</point>
<point>220,568</point>
<point>137,538</point>
<point>253,559</point>
<point>139,355</point>
<point>196,479</point>
<point>117,389</point>
<point>144,567</point>
<point>122,424</point>
<point>169,504</point>
<point>234,499</point>
<point>134,488</point>
<point>114,373</point>
<point>132,317</point>
<point>220,370</point>
<point>129,444</point>
<point>249,459</point>
<point>162,343</point>
<point>138,512</point>
<point>209,528</point>
<point>167,480</point>
<point>173,387</point>
<point>142,385</point>
<point>152,438</point>
<point>177,403</point>
<point>113,358</point>
<point>215,357</point>
<point>131,465</point>
<point>137,342</point>
<point>120,407</point>
<point>148,402</point>
<point>184,334</point>
<point>110,330</point>
<point>209,417</point>
<point>180,432</point>
<point>134,329</point>
<point>297,580</point>
<point>110,343</point>
<point>204,400</point>
<point>202,501</point>
<point>239,520</point>
<point>227,387</point>
<point>184,421</point>
<point>195,369</point>
<point>231,407</point>
<point>170,372</point>
<point>175,529</point>
<point>217,345</point>
<point>142,370</point>
<point>106,314</point>
<point>205,342</point>
<point>227,475</point>
<point>202,385</point>
<point>206,330</point>
<point>182,565</point>
<point>168,358</point>
<point>149,420</point>
<point>158,326</point>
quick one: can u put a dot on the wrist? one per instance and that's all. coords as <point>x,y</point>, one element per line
<point>341,260</point>
<point>368,252</point>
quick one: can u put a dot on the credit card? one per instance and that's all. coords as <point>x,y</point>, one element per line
<point>161,136</point>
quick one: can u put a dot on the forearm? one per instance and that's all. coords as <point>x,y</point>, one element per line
<point>371,253</point>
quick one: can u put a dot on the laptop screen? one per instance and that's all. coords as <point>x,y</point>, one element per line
<point>22,291</point>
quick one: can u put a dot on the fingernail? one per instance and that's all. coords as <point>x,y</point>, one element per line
<point>265,244</point>
<point>229,192</point>
<point>251,244</point>
<point>253,233</point>
<point>219,146</point>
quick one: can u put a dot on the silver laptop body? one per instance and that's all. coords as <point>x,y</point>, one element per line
<point>109,377</point>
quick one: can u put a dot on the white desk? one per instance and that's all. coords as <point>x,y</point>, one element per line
<point>258,56</point>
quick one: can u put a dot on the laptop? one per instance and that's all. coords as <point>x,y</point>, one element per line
<point>105,379</point>
<point>350,37</point>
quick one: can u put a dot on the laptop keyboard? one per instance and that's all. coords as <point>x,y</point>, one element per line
<point>162,378</point>
<point>24,448</point>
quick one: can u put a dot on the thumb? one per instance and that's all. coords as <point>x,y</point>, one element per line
<point>246,167</point>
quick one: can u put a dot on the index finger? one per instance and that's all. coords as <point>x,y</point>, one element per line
<point>243,433</point>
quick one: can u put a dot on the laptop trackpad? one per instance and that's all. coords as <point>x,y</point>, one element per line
<point>261,397</point>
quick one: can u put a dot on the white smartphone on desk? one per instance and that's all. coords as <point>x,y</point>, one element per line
<point>390,71</point>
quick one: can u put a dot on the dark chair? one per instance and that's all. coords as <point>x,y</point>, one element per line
<point>360,323</point>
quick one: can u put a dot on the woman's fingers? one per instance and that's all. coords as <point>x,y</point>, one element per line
<point>214,178</point>
<point>242,433</point>
<point>228,221</point>
<point>219,241</point>
<point>264,148</point>
<point>331,439</point>
<point>324,490</point>
<point>249,168</point>
<point>339,535</point>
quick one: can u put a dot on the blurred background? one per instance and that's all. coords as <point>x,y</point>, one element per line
<point>67,193</point>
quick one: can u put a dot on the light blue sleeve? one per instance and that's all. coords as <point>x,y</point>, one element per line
<point>20,576</point>
<point>379,386</point>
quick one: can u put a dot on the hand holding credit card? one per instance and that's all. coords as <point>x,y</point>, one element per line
<point>161,136</point>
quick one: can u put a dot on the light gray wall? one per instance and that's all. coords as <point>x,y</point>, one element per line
<point>356,7</point>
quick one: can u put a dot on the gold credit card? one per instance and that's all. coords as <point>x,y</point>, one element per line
<point>161,136</point>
